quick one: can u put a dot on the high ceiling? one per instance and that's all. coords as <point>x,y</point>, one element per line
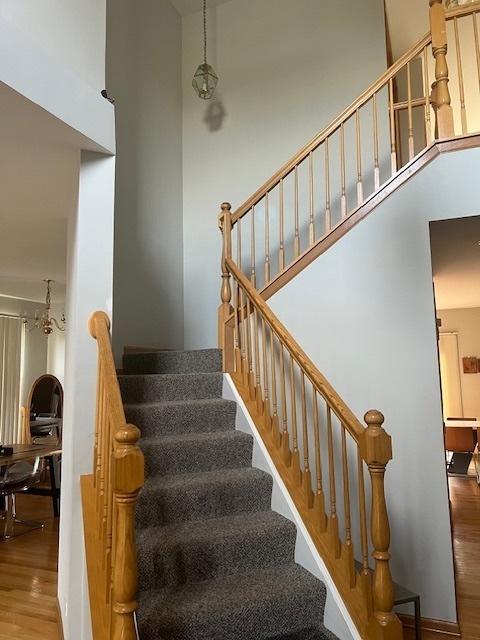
<point>38,183</point>
<point>407,22</point>
<point>456,262</point>
<point>185,7</point>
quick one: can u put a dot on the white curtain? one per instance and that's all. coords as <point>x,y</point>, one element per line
<point>450,376</point>
<point>11,330</point>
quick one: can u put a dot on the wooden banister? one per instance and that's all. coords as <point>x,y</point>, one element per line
<point>320,382</point>
<point>301,432</point>
<point>289,166</point>
<point>109,496</point>
<point>370,131</point>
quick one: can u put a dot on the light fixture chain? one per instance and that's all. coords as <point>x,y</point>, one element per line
<point>205,31</point>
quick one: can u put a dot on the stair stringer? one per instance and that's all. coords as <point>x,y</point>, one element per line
<point>337,618</point>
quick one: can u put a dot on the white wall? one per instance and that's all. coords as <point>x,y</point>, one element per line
<point>90,281</point>
<point>467,323</point>
<point>69,30</point>
<point>286,69</point>
<point>368,322</point>
<point>56,347</point>
<point>144,76</point>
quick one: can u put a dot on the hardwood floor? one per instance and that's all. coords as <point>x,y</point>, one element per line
<point>28,570</point>
<point>465,498</point>
<point>28,576</point>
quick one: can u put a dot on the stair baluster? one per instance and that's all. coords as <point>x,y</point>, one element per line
<point>441,93</point>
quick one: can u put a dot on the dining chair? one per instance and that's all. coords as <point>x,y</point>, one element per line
<point>14,479</point>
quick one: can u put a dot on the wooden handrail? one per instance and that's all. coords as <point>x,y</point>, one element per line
<point>389,74</point>
<point>109,496</point>
<point>331,128</point>
<point>297,209</point>
<point>336,403</point>
<point>288,399</point>
<point>462,10</point>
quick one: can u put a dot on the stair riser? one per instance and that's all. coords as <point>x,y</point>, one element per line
<point>172,565</point>
<point>192,457</point>
<point>207,361</point>
<point>157,507</point>
<point>152,388</point>
<point>158,420</point>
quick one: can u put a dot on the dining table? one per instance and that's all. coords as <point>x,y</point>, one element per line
<point>48,450</point>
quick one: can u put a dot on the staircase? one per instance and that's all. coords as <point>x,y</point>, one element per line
<point>214,560</point>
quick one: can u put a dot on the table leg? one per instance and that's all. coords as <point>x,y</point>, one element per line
<point>53,486</point>
<point>418,619</point>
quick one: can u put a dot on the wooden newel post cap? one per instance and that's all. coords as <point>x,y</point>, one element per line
<point>129,434</point>
<point>376,444</point>
<point>374,418</point>
<point>225,207</point>
<point>128,462</point>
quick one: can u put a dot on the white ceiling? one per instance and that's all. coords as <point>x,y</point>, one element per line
<point>38,186</point>
<point>456,262</point>
<point>408,21</point>
<point>185,7</point>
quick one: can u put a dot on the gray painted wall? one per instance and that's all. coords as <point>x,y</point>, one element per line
<point>367,320</point>
<point>144,76</point>
<point>286,69</point>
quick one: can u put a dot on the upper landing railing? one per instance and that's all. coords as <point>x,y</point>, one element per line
<point>431,93</point>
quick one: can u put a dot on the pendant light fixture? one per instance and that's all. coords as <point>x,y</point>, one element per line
<point>205,79</point>
<point>46,322</point>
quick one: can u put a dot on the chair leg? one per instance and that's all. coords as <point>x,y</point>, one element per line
<point>9,510</point>
<point>11,519</point>
<point>32,524</point>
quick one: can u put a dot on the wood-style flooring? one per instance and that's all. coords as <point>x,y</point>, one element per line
<point>28,570</point>
<point>465,499</point>
<point>28,576</point>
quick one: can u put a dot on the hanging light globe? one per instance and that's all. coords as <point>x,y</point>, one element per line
<point>205,79</point>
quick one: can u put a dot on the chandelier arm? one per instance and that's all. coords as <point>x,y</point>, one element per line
<point>55,321</point>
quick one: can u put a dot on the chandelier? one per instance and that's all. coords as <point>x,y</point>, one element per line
<point>205,79</point>
<point>46,322</point>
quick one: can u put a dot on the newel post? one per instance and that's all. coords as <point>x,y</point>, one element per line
<point>377,451</point>
<point>225,333</point>
<point>128,478</point>
<point>440,96</point>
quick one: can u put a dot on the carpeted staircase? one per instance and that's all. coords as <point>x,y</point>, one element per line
<point>215,562</point>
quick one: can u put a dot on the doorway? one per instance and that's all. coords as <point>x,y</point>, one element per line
<point>455,247</point>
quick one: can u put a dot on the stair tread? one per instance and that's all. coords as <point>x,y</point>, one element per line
<point>197,451</point>
<point>234,526</point>
<point>215,477</point>
<point>195,436</point>
<point>180,403</point>
<point>174,352</point>
<point>250,605</point>
<point>155,387</point>
<point>163,361</point>
<point>164,376</point>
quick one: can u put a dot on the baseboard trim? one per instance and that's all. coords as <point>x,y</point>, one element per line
<point>60,622</point>
<point>429,624</point>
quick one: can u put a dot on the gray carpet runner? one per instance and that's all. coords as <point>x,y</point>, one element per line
<point>215,562</point>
